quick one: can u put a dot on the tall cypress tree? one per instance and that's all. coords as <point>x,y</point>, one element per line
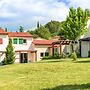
<point>10,54</point>
<point>38,24</point>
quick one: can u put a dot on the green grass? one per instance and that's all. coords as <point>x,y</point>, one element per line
<point>46,75</point>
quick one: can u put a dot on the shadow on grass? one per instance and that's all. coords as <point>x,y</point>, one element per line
<point>70,87</point>
<point>87,61</point>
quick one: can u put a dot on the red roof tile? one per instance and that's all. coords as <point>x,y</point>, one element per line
<point>2,31</point>
<point>42,42</point>
<point>19,34</point>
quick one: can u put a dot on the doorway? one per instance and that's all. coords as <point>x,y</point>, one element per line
<point>23,57</point>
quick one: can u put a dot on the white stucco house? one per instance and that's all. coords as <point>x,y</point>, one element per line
<point>85,42</point>
<point>28,49</point>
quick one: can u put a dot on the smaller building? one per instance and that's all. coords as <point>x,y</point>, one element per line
<point>49,47</point>
<point>85,47</point>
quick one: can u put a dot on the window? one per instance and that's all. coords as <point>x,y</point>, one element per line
<point>46,54</point>
<point>15,41</point>
<point>41,54</point>
<point>20,41</point>
<point>24,41</point>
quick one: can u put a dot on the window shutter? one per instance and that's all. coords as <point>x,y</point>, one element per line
<point>15,41</point>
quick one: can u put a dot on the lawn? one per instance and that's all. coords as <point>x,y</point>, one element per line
<point>46,75</point>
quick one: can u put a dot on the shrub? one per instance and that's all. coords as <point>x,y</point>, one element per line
<point>4,62</point>
<point>56,56</point>
<point>78,53</point>
<point>47,57</point>
<point>74,56</point>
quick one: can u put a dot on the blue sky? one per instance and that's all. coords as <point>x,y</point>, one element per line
<point>14,13</point>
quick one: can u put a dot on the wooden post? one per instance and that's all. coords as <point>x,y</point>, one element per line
<point>60,49</point>
<point>52,49</point>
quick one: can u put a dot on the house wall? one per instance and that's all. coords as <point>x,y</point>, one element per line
<point>3,46</point>
<point>2,55</point>
<point>41,49</point>
<point>17,57</point>
<point>85,47</point>
<point>5,42</point>
<point>27,46</point>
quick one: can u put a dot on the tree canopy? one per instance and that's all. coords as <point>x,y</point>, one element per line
<point>43,32</point>
<point>75,23</point>
<point>54,27</point>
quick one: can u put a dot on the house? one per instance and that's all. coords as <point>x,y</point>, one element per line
<point>28,49</point>
<point>85,42</point>
<point>22,43</point>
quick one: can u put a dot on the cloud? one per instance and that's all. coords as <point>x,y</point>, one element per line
<point>79,3</point>
<point>28,12</point>
<point>31,11</point>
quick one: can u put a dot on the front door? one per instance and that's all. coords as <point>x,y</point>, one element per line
<point>23,57</point>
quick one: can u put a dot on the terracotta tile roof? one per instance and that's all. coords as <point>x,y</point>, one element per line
<point>43,42</point>
<point>2,31</point>
<point>19,34</point>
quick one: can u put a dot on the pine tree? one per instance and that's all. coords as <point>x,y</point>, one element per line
<point>10,54</point>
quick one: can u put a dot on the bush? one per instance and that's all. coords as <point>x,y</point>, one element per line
<point>4,62</point>
<point>78,53</point>
<point>47,57</point>
<point>56,56</point>
<point>74,56</point>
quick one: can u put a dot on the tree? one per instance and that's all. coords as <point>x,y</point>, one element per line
<point>38,24</point>
<point>10,54</point>
<point>43,32</point>
<point>21,29</point>
<point>33,32</point>
<point>75,23</point>
<point>6,29</point>
<point>54,27</point>
<point>88,12</point>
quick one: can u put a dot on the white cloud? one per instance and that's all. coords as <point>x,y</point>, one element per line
<point>28,12</point>
<point>80,3</point>
<point>34,10</point>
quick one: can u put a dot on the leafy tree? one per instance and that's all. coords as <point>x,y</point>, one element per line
<point>21,29</point>
<point>88,12</point>
<point>43,32</point>
<point>75,23</point>
<point>33,32</point>
<point>54,27</point>
<point>10,54</point>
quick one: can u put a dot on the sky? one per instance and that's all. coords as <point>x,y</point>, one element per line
<point>26,13</point>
